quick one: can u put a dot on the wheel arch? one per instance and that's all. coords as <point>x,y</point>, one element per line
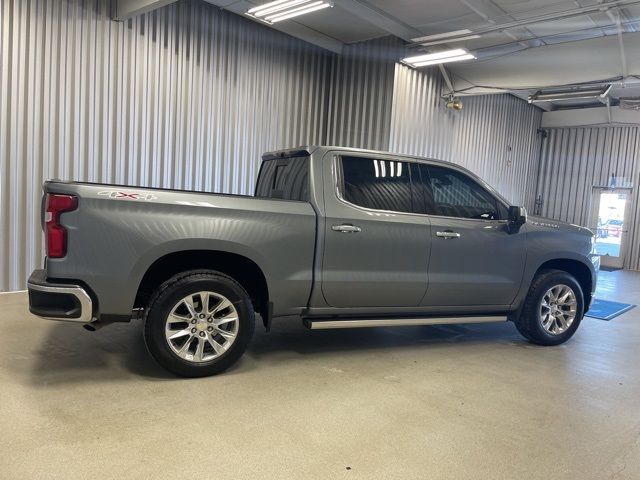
<point>578,269</point>
<point>241,268</point>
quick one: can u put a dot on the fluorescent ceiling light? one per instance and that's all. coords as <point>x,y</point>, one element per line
<point>279,10</point>
<point>268,6</point>
<point>262,11</point>
<point>450,40</point>
<point>582,94</point>
<point>450,36</point>
<point>457,55</point>
<point>300,11</point>
<point>446,60</point>
<point>436,56</point>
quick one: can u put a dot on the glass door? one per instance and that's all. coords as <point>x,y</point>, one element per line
<point>609,222</point>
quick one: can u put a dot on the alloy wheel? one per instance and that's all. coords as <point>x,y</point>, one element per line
<point>558,309</point>
<point>202,326</point>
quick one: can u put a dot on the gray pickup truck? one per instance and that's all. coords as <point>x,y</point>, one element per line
<point>338,237</point>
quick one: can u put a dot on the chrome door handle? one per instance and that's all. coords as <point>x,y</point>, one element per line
<point>346,228</point>
<point>448,235</point>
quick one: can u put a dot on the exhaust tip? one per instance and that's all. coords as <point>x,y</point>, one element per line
<point>95,326</point>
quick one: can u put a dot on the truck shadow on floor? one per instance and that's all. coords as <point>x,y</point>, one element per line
<point>70,354</point>
<point>293,337</point>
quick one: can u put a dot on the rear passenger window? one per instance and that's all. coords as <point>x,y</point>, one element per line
<point>285,178</point>
<point>455,194</point>
<point>377,184</point>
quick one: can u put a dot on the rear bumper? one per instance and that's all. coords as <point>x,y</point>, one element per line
<point>58,301</point>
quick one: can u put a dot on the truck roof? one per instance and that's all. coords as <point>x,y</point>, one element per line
<point>309,149</point>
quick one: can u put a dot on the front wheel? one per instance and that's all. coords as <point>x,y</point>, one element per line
<point>553,308</point>
<point>199,323</point>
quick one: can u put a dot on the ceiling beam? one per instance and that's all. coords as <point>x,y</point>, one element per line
<point>447,78</point>
<point>547,17</point>
<point>488,10</point>
<point>125,9</point>
<point>379,18</point>
<point>538,68</point>
<point>623,57</point>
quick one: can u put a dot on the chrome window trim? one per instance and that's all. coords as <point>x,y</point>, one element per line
<point>337,177</point>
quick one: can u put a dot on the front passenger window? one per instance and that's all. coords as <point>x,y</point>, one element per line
<point>455,194</point>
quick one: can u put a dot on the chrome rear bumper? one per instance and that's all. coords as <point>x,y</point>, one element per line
<point>58,301</point>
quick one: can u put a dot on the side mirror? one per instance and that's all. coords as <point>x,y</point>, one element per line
<point>517,217</point>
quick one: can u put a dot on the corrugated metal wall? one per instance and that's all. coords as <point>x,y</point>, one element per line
<point>187,96</point>
<point>495,136</point>
<point>362,94</point>
<point>574,160</point>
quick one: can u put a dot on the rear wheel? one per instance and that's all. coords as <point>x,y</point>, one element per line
<point>553,308</point>
<point>199,323</point>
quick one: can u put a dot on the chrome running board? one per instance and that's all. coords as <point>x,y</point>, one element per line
<point>320,324</point>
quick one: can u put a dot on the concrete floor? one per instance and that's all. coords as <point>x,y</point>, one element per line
<point>415,402</point>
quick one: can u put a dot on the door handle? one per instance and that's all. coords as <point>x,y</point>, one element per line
<point>346,228</point>
<point>448,235</point>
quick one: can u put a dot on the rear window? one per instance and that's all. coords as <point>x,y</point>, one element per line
<point>284,178</point>
<point>377,184</point>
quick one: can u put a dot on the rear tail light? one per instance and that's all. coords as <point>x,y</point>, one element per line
<point>56,234</point>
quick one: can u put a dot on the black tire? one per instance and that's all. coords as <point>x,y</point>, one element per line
<point>170,293</point>
<point>530,323</point>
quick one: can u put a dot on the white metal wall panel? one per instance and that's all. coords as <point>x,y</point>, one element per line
<point>362,94</point>
<point>187,96</point>
<point>574,160</point>
<point>495,136</point>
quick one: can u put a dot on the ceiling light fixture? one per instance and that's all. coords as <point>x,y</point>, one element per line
<point>457,55</point>
<point>449,37</point>
<point>279,10</point>
<point>580,94</point>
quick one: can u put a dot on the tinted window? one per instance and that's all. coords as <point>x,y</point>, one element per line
<point>377,184</point>
<point>454,194</point>
<point>286,178</point>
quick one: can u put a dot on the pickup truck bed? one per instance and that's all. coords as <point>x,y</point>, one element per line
<point>118,233</point>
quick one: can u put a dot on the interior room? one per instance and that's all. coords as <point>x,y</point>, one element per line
<point>322,142</point>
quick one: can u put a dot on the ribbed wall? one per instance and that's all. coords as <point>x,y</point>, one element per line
<point>362,94</point>
<point>188,97</point>
<point>574,160</point>
<point>495,136</point>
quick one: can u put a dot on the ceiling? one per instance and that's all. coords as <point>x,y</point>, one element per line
<point>358,20</point>
<point>523,46</point>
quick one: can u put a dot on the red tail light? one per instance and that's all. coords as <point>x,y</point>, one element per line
<point>56,234</point>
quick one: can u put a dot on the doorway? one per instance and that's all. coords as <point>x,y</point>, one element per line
<point>609,211</point>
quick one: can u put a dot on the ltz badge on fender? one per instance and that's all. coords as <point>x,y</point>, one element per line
<point>127,195</point>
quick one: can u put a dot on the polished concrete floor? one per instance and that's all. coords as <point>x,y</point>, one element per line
<point>415,402</point>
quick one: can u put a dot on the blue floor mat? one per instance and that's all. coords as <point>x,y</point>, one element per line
<point>606,310</point>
